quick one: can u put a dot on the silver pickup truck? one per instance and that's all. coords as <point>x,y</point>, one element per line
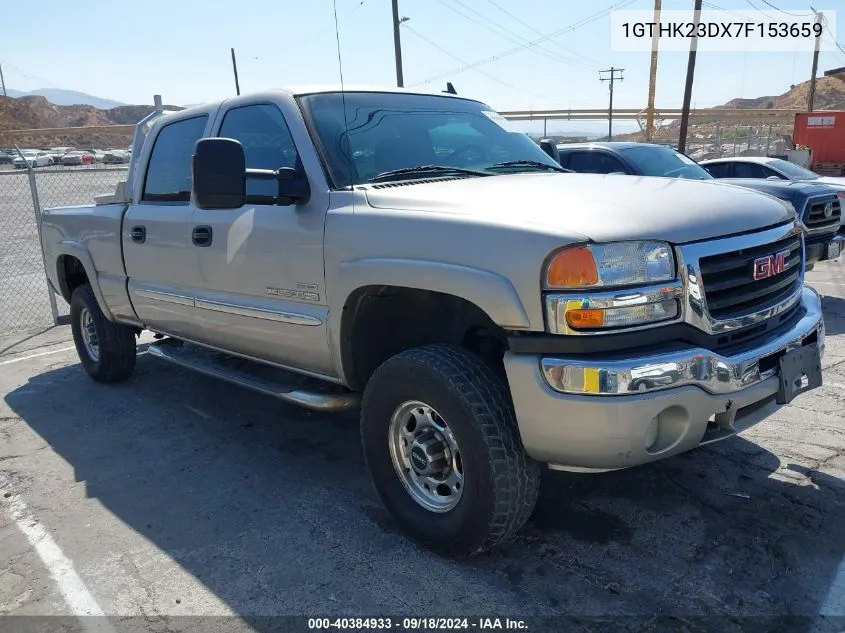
<point>412,255</point>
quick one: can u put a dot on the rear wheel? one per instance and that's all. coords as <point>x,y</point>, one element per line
<point>106,350</point>
<point>442,446</point>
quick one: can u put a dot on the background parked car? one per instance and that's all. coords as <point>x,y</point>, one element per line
<point>118,156</point>
<point>77,158</point>
<point>642,159</point>
<point>35,158</point>
<point>765,167</point>
<point>6,158</point>
<point>818,205</point>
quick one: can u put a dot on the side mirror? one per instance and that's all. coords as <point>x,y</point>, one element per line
<point>550,147</point>
<point>219,173</point>
<point>293,188</point>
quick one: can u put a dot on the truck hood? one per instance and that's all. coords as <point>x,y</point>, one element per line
<point>601,207</point>
<point>838,181</point>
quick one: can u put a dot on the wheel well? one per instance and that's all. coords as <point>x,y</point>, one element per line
<point>380,321</point>
<point>71,275</point>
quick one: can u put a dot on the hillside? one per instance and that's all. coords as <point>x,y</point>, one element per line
<point>57,96</point>
<point>38,112</point>
<point>830,95</point>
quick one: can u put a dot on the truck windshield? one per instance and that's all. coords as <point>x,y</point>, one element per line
<point>658,160</point>
<point>384,132</point>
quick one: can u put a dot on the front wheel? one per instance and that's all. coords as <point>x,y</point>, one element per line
<point>442,445</point>
<point>106,350</point>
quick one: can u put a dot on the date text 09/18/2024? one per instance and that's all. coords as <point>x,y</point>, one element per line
<point>417,624</point>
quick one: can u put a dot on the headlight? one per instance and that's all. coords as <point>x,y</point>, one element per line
<point>587,275</point>
<point>609,265</point>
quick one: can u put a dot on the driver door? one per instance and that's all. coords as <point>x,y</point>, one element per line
<point>260,290</point>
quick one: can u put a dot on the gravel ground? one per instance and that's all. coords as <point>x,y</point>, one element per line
<point>176,495</point>
<point>24,303</point>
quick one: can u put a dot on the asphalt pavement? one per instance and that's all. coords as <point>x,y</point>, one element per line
<point>173,497</point>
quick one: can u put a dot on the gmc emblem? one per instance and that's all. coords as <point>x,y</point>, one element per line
<point>769,266</point>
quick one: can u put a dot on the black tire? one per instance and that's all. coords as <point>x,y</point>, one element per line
<point>501,481</point>
<point>116,342</point>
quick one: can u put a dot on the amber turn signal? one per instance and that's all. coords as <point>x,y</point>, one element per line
<point>572,268</point>
<point>585,318</point>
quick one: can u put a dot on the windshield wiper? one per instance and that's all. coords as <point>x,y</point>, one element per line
<point>425,169</point>
<point>529,163</point>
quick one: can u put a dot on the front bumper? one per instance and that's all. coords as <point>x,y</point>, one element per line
<point>823,248</point>
<point>604,412</point>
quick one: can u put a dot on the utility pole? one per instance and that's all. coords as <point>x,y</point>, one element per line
<point>2,81</point>
<point>397,43</point>
<point>812,92</point>
<point>612,78</point>
<point>652,75</point>
<point>235,69</point>
<point>682,139</point>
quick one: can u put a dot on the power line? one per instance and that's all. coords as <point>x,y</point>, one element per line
<point>837,44</point>
<point>756,8</point>
<point>502,55</point>
<point>537,32</point>
<point>458,59</point>
<point>509,34</point>
<point>797,15</point>
<point>311,37</point>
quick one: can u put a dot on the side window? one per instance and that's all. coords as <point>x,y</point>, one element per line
<point>169,171</point>
<point>768,172</point>
<point>749,170</point>
<point>595,162</point>
<point>718,170</point>
<point>267,142</point>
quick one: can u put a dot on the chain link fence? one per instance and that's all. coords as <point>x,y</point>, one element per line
<point>26,301</point>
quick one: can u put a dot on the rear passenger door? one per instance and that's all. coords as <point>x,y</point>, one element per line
<point>750,170</point>
<point>160,259</point>
<point>596,162</point>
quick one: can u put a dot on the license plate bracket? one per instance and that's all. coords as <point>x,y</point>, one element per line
<point>800,371</point>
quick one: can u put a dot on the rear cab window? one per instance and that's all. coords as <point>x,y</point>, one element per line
<point>168,178</point>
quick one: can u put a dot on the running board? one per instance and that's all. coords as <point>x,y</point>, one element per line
<point>304,391</point>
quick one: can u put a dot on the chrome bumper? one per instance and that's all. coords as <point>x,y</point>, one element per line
<point>612,375</point>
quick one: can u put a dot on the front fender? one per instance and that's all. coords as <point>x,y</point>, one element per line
<point>492,293</point>
<point>78,250</point>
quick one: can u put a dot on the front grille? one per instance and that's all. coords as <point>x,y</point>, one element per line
<point>816,219</point>
<point>728,279</point>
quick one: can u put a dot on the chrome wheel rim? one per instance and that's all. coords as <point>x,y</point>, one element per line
<point>89,334</point>
<point>426,456</point>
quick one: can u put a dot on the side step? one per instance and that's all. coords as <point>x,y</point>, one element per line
<point>304,391</point>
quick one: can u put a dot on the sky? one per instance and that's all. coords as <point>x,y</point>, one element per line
<point>180,49</point>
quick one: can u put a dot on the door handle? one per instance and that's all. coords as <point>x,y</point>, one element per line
<point>201,236</point>
<point>138,234</point>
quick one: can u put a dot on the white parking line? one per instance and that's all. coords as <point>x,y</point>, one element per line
<point>77,597</point>
<point>23,358</point>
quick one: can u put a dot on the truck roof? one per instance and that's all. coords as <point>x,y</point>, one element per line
<point>310,89</point>
<point>611,145</point>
